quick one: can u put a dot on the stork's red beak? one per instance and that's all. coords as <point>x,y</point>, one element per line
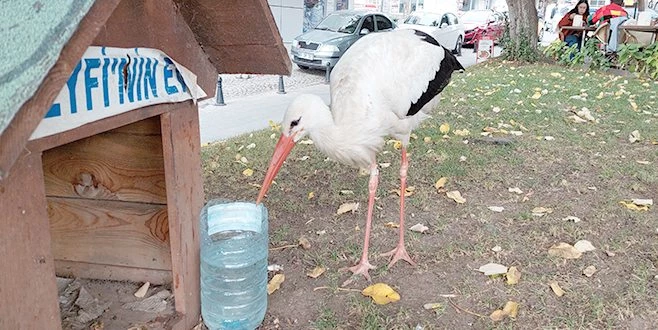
<point>281,151</point>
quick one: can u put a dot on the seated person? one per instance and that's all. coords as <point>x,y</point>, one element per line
<point>615,15</point>
<point>573,37</point>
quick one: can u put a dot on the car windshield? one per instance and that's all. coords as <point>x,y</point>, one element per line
<point>417,19</point>
<point>475,16</point>
<point>339,23</point>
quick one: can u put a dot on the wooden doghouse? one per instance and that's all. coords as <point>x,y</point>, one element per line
<point>118,197</point>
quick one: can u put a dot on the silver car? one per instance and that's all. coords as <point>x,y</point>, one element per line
<point>323,46</point>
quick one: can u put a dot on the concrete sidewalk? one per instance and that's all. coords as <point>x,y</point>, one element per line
<point>248,114</point>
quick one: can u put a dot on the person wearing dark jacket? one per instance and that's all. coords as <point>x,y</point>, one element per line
<point>572,37</point>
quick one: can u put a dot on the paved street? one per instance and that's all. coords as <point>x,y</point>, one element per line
<point>252,100</point>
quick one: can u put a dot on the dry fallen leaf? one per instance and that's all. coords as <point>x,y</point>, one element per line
<point>557,289</point>
<point>564,250</point>
<point>440,183</point>
<point>461,132</point>
<point>419,228</point>
<point>316,272</point>
<point>515,190</point>
<point>511,309</point>
<point>347,207</point>
<point>571,218</point>
<point>634,136</point>
<point>346,192</point>
<point>311,195</point>
<point>381,293</point>
<point>432,305</point>
<point>304,243</point>
<point>142,290</point>
<point>248,172</point>
<point>391,225</point>
<point>632,206</point>
<point>541,211</point>
<point>584,246</point>
<point>444,128</point>
<point>493,269</point>
<point>497,315</point>
<point>496,208</point>
<point>513,275</point>
<point>275,283</point>
<point>456,196</point>
<point>589,271</point>
<point>407,191</point>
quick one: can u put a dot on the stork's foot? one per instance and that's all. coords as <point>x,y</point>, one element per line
<point>361,268</point>
<point>398,253</point>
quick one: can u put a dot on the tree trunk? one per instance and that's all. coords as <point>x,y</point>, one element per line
<point>522,22</point>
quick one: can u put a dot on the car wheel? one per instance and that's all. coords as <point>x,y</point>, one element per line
<point>303,67</point>
<point>458,47</point>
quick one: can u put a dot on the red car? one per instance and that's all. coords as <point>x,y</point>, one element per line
<point>478,23</point>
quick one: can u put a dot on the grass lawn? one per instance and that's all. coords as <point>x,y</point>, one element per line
<point>533,143</point>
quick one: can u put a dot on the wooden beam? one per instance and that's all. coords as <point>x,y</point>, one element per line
<point>110,232</point>
<point>28,290</point>
<point>181,146</point>
<point>239,36</point>
<point>158,24</point>
<point>16,135</point>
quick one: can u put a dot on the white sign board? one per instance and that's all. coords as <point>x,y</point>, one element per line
<point>109,81</point>
<point>485,49</point>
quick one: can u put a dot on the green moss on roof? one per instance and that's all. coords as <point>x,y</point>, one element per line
<point>33,35</point>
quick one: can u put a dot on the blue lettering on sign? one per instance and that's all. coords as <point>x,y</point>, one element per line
<point>136,78</point>
<point>149,79</point>
<point>91,82</point>
<point>106,83</point>
<point>168,73</point>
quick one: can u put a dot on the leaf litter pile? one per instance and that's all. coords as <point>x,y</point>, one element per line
<point>530,202</point>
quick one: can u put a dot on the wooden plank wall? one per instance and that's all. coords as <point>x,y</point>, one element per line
<point>28,293</point>
<point>107,205</point>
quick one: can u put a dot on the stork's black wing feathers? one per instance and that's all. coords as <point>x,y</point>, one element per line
<point>449,64</point>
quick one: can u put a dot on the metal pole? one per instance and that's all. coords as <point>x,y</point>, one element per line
<point>282,89</point>
<point>220,94</point>
<point>327,72</point>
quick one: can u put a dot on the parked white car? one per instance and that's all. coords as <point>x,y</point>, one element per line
<point>444,27</point>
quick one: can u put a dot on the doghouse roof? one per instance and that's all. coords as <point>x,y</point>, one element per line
<point>43,41</point>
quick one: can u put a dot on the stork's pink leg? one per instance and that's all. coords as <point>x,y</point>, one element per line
<point>400,252</point>
<point>364,265</point>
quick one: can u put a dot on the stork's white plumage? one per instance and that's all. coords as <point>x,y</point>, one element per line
<point>384,85</point>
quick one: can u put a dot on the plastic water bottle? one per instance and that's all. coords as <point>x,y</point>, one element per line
<point>234,245</point>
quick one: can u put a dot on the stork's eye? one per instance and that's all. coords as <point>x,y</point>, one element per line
<point>295,122</point>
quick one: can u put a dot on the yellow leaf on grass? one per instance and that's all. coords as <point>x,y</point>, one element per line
<point>381,293</point>
<point>497,315</point>
<point>311,195</point>
<point>633,105</point>
<point>444,128</point>
<point>440,183</point>
<point>556,289</point>
<point>316,272</point>
<point>274,126</point>
<point>536,95</point>
<point>513,275</point>
<point>248,172</point>
<point>511,309</point>
<point>564,250</point>
<point>347,207</point>
<point>391,225</point>
<point>456,196</point>
<point>632,206</point>
<point>407,191</point>
<point>461,132</point>
<point>275,283</point>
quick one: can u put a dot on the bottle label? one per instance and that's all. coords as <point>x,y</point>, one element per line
<point>234,217</point>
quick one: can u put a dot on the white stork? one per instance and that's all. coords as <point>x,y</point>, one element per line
<point>384,85</point>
